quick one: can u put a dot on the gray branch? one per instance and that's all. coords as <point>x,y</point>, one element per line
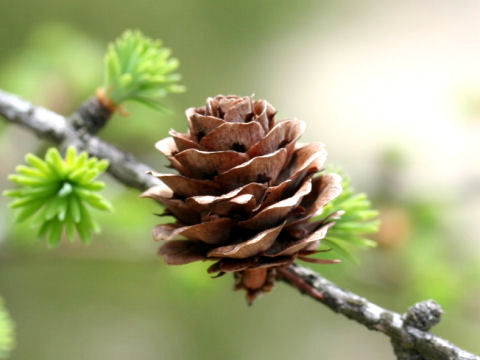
<point>408,333</point>
<point>58,129</point>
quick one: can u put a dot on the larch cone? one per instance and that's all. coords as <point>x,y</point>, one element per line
<point>245,194</point>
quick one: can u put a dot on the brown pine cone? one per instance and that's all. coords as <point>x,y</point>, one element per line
<point>245,194</point>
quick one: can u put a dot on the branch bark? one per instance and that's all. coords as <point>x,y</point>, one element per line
<point>408,332</point>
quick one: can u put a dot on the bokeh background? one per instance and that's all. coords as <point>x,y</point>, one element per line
<point>392,88</point>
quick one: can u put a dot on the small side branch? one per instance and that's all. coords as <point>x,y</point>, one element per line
<point>408,333</point>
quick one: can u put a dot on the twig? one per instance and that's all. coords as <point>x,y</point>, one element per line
<point>299,283</point>
<point>91,116</point>
<point>408,332</point>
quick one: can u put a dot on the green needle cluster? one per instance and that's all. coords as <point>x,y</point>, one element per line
<point>140,69</point>
<point>58,193</point>
<point>7,335</point>
<point>356,221</point>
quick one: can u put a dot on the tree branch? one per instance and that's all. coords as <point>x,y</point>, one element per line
<point>408,332</point>
<point>53,127</point>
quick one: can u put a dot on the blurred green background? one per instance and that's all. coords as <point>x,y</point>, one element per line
<point>392,89</point>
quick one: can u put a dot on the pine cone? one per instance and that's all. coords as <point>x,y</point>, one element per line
<point>246,192</point>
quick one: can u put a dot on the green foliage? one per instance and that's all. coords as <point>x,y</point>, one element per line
<point>7,335</point>
<point>355,220</point>
<point>57,193</point>
<point>140,69</point>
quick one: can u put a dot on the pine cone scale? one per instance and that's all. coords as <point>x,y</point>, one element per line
<point>181,252</point>
<point>210,232</point>
<point>278,211</point>
<point>185,187</point>
<point>292,247</point>
<point>206,203</point>
<point>284,133</point>
<point>308,158</point>
<point>324,189</point>
<point>183,141</point>
<point>261,169</point>
<point>231,136</point>
<point>256,245</point>
<point>202,124</point>
<point>203,165</point>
